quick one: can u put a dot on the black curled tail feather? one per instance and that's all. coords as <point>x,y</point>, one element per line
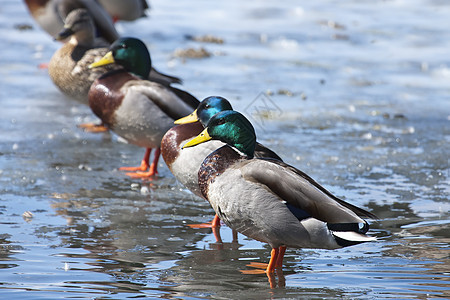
<point>361,228</point>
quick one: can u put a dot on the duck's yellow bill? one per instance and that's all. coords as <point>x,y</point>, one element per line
<point>188,119</point>
<point>201,138</point>
<point>105,60</point>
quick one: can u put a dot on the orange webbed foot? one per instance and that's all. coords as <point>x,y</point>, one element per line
<point>94,128</point>
<point>276,261</point>
<point>258,265</point>
<point>143,167</point>
<point>202,225</point>
<point>152,171</point>
<point>269,269</point>
<point>142,174</point>
<point>213,224</point>
<point>261,268</point>
<point>253,272</point>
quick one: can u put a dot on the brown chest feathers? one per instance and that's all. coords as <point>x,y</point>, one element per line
<point>105,95</point>
<point>214,165</point>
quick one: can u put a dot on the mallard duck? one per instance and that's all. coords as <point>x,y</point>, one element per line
<point>68,67</point>
<point>271,201</point>
<point>185,164</point>
<point>126,10</point>
<point>139,110</point>
<point>50,15</point>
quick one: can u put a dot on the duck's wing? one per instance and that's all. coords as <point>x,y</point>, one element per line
<point>359,211</point>
<point>162,78</point>
<point>187,98</point>
<point>302,192</point>
<point>262,151</point>
<point>168,101</point>
<point>103,21</point>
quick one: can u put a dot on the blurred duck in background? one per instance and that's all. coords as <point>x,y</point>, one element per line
<point>51,14</point>
<point>69,65</point>
<point>125,10</point>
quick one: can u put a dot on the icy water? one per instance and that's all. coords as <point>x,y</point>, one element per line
<point>355,93</point>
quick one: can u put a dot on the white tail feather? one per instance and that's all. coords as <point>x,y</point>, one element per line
<point>353,236</point>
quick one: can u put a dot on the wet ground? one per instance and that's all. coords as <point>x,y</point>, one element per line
<point>354,93</point>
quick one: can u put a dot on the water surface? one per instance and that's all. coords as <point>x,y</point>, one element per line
<point>354,93</point>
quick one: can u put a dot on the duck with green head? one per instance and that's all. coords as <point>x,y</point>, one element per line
<point>139,110</point>
<point>271,201</point>
<point>185,164</point>
<point>69,65</point>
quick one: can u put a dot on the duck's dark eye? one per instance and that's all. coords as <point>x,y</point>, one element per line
<point>207,106</point>
<point>221,121</point>
<point>124,46</point>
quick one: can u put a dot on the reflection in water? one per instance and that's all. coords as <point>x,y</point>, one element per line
<point>138,243</point>
<point>134,240</point>
<point>130,237</point>
<point>7,250</point>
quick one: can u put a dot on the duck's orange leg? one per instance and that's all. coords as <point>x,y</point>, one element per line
<point>275,263</point>
<point>216,232</point>
<point>216,221</point>
<point>273,260</point>
<point>270,271</point>
<point>153,170</point>
<point>279,262</point>
<point>144,164</point>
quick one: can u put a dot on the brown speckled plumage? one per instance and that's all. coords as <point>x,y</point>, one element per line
<point>214,165</point>
<point>68,67</point>
<point>69,70</point>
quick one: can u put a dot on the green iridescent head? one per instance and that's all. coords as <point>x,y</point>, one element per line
<point>230,127</point>
<point>131,53</point>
